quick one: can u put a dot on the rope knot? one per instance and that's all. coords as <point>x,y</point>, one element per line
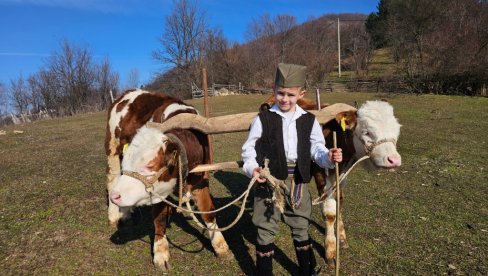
<point>275,185</point>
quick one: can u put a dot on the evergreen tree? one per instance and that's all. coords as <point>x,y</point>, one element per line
<point>377,25</point>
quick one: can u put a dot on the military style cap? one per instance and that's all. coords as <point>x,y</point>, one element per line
<point>290,75</point>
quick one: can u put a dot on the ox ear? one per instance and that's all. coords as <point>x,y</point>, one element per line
<point>171,154</point>
<point>347,120</point>
<point>264,107</point>
<point>267,104</point>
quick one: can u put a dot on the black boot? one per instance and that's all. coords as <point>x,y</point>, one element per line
<point>264,259</point>
<point>305,257</point>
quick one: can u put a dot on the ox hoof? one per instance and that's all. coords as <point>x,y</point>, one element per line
<point>344,244</point>
<point>114,224</point>
<point>330,264</point>
<point>161,254</point>
<point>121,223</point>
<point>118,216</point>
<point>225,256</point>
<point>162,265</point>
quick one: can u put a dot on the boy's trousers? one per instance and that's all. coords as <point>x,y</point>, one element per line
<point>266,216</point>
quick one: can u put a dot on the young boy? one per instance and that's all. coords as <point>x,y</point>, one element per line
<point>290,138</point>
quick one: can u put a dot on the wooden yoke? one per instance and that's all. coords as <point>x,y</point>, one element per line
<point>213,125</point>
<point>234,123</point>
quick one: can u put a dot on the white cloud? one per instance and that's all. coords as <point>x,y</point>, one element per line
<point>108,6</point>
<point>23,54</point>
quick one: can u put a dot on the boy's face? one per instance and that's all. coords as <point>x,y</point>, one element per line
<point>286,98</point>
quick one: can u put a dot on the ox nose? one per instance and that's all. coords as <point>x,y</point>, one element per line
<point>393,161</point>
<point>115,197</point>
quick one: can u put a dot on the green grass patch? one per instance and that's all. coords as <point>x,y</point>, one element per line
<point>430,217</point>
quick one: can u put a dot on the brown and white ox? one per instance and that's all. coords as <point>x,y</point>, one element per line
<point>150,152</point>
<point>373,130</point>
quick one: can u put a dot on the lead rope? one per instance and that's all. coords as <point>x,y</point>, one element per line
<point>343,176</point>
<point>180,188</point>
<point>265,173</point>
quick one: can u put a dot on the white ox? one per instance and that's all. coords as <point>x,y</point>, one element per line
<point>373,130</point>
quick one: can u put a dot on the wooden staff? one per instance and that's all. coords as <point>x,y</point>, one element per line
<point>338,205</point>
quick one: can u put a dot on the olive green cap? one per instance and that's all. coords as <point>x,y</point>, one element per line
<point>290,75</point>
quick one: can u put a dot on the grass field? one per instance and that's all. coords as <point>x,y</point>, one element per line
<point>430,217</point>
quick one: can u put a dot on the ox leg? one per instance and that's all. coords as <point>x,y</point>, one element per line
<point>115,214</point>
<point>324,185</point>
<point>342,234</point>
<point>329,211</point>
<point>161,213</point>
<point>204,203</point>
<point>342,229</point>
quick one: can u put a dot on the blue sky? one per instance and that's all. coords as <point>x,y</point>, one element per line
<point>126,31</point>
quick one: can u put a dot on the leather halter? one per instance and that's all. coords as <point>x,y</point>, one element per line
<point>149,180</point>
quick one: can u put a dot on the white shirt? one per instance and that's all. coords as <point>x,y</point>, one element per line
<point>318,150</point>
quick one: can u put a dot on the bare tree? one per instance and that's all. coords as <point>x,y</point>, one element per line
<point>20,94</point>
<point>75,75</point>
<point>36,99</point>
<point>215,56</point>
<point>410,22</point>
<point>319,43</point>
<point>357,45</point>
<point>47,84</point>
<point>260,27</point>
<point>279,28</point>
<point>3,100</point>
<point>107,82</point>
<point>181,47</point>
<point>441,47</point>
<point>183,30</point>
<point>132,79</point>
<point>283,25</point>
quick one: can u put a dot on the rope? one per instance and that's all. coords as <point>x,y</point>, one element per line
<point>265,173</point>
<point>147,180</point>
<point>343,176</point>
<point>180,184</point>
<point>369,148</point>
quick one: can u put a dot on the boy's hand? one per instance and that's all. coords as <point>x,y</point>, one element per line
<point>257,172</point>
<point>335,155</point>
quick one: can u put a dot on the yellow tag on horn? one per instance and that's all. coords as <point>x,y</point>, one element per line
<point>343,123</point>
<point>124,148</point>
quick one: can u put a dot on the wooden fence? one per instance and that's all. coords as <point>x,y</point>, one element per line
<point>217,89</point>
<point>324,87</point>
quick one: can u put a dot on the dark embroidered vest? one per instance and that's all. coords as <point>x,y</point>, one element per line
<point>270,145</point>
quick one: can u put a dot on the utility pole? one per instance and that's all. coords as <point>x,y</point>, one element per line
<point>207,112</point>
<point>339,45</point>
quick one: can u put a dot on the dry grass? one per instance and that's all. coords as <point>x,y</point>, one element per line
<point>429,217</point>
